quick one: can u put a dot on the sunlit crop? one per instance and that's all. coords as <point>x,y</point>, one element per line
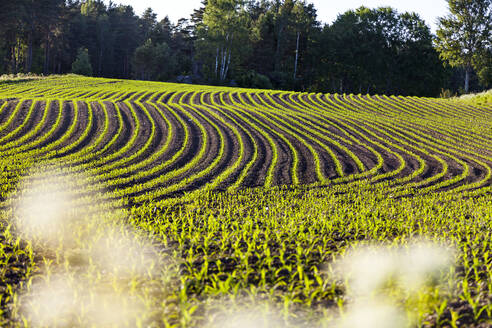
<point>126,203</point>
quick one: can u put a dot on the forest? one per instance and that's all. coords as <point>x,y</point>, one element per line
<point>269,44</point>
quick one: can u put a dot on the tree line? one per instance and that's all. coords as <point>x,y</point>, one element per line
<point>277,44</point>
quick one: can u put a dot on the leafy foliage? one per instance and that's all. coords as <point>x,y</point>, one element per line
<point>82,64</point>
<point>376,51</point>
<point>464,36</point>
<point>153,62</point>
<point>363,51</point>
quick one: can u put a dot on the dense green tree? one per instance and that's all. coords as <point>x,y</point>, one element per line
<point>283,35</point>
<point>148,24</point>
<point>12,15</point>
<point>82,64</point>
<point>97,28</point>
<point>182,46</point>
<point>153,61</point>
<point>464,36</point>
<point>254,43</point>
<point>482,62</point>
<point>379,51</point>
<point>262,38</point>
<point>125,30</point>
<point>143,60</point>
<point>223,36</point>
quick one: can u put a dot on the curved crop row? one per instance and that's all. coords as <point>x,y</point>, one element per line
<point>145,141</point>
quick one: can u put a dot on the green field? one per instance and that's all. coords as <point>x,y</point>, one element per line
<point>244,199</point>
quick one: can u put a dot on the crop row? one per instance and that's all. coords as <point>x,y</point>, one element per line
<point>154,142</point>
<point>331,171</point>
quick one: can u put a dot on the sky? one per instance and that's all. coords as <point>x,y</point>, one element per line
<point>328,10</point>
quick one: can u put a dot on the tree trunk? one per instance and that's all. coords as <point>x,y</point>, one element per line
<point>124,64</point>
<point>29,50</point>
<point>100,61</point>
<point>217,62</point>
<point>222,63</point>
<point>46,55</point>
<point>14,60</point>
<point>10,67</point>
<point>227,57</point>
<point>467,79</point>
<point>297,54</point>
<point>277,51</point>
<point>228,63</point>
<point>18,56</point>
<point>225,65</point>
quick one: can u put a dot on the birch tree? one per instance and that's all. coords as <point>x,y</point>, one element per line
<point>465,34</point>
<point>223,34</point>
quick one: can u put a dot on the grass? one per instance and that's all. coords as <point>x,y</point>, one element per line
<point>481,99</point>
